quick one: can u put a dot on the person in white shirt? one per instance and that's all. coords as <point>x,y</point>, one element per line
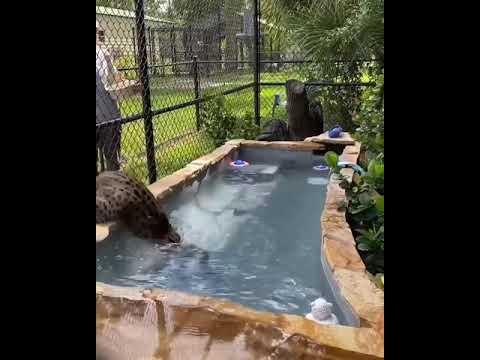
<point>108,139</point>
<point>104,63</point>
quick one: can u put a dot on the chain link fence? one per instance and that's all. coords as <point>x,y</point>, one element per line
<point>156,63</point>
<point>159,61</point>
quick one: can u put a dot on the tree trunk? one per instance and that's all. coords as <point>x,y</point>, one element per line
<point>305,119</point>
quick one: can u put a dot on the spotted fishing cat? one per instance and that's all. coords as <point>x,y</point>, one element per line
<point>127,201</point>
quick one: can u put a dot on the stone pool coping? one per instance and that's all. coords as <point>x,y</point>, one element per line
<point>349,272</point>
<point>360,343</point>
<point>348,269</point>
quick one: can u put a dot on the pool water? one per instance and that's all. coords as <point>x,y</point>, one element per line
<point>252,236</point>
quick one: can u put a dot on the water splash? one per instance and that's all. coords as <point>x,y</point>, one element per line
<point>225,203</point>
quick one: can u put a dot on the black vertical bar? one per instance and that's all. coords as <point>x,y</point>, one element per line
<point>162,51</point>
<point>271,48</point>
<point>151,48</point>
<point>190,41</point>
<point>154,50</point>
<point>256,29</point>
<point>149,45</point>
<point>196,83</point>
<point>135,47</point>
<point>219,35</point>
<point>242,54</point>
<point>146,96</point>
<point>173,47</point>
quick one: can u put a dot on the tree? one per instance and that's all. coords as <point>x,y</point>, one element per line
<point>192,11</point>
<point>117,4</point>
<point>331,30</point>
<point>334,34</point>
<point>154,8</point>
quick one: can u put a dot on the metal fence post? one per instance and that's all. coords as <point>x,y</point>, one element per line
<point>196,83</point>
<point>153,55</point>
<point>135,56</point>
<point>256,29</point>
<point>146,96</point>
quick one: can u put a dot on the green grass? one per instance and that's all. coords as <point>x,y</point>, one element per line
<point>172,158</point>
<point>176,151</point>
<point>175,154</point>
<point>281,76</point>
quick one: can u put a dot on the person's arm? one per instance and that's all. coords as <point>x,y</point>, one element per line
<point>118,86</point>
<point>116,75</point>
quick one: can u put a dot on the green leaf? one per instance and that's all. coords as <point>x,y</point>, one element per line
<point>362,231</point>
<point>378,170</point>
<point>379,203</point>
<point>375,169</point>
<point>379,261</point>
<point>332,159</point>
<point>379,280</point>
<point>371,167</point>
<point>366,214</point>
<point>365,199</point>
<point>363,247</point>
<point>360,209</point>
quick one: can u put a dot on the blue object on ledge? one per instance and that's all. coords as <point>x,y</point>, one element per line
<point>336,132</point>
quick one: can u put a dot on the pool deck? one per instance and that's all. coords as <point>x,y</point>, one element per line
<point>351,277</point>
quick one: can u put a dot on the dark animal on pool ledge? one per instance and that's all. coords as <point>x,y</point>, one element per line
<point>125,200</point>
<point>305,115</point>
<point>274,130</point>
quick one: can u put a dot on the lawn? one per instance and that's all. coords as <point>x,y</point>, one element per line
<point>176,140</point>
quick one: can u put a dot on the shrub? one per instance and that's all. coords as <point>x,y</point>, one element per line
<point>365,210</point>
<point>370,120</point>
<point>221,125</point>
<point>246,128</point>
<point>218,122</point>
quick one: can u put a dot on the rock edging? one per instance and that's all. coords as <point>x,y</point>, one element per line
<point>339,246</point>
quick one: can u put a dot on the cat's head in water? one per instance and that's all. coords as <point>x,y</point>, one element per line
<point>154,229</point>
<point>122,199</point>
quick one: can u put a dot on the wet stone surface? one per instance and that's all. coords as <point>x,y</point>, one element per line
<point>156,328</point>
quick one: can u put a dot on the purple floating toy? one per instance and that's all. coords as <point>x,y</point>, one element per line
<point>321,168</point>
<point>239,163</point>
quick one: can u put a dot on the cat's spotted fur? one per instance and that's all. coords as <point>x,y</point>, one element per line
<point>123,199</point>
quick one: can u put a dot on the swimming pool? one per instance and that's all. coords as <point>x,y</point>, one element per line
<point>252,236</point>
